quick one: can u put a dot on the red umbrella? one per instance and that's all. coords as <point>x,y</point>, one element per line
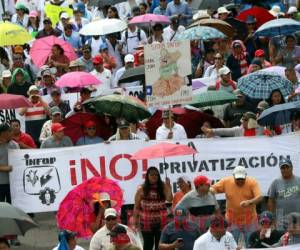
<point>191,120</point>
<point>163,150</point>
<point>75,126</point>
<point>9,101</point>
<point>262,15</point>
<point>77,208</point>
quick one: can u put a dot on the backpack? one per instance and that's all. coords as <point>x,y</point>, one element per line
<point>138,34</point>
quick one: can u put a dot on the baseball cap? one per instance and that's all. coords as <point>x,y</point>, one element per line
<point>98,59</point>
<point>46,72</point>
<point>64,15</point>
<point>239,172</point>
<point>167,114</point>
<point>276,11</point>
<point>6,73</point>
<point>129,58</point>
<point>47,20</point>
<point>33,13</point>
<point>103,46</point>
<point>110,212</point>
<point>55,110</point>
<point>89,124</point>
<point>223,10</point>
<point>292,10</point>
<point>262,105</point>
<point>66,234</point>
<point>266,216</point>
<point>201,180</point>
<point>256,61</point>
<point>259,53</point>
<point>18,49</point>
<point>31,89</point>
<point>224,70</point>
<point>249,115</point>
<point>118,229</point>
<point>238,93</point>
<point>180,211</point>
<point>56,127</point>
<point>123,123</point>
<point>73,63</point>
<point>285,162</point>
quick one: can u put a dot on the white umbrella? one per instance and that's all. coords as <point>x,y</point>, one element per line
<point>103,27</point>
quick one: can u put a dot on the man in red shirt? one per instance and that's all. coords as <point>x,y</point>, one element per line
<point>24,140</point>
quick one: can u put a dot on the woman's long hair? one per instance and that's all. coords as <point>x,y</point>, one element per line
<point>270,97</point>
<point>160,184</point>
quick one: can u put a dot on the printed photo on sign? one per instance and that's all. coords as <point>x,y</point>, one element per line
<point>167,67</point>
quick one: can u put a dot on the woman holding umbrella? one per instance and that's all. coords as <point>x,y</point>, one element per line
<point>150,211</point>
<point>58,60</point>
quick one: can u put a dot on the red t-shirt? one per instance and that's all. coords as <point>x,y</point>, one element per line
<point>26,139</point>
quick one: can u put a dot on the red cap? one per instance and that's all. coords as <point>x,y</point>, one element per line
<point>56,127</point>
<point>98,59</point>
<point>259,53</point>
<point>89,124</point>
<point>200,180</point>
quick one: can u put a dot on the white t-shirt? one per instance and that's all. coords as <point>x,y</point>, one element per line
<point>132,40</point>
<point>208,242</point>
<point>76,248</point>
<point>95,45</point>
<point>106,79</point>
<point>168,32</point>
<point>178,132</point>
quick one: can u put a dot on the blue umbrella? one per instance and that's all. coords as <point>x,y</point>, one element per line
<point>278,114</point>
<point>260,84</point>
<point>278,27</point>
<point>199,33</point>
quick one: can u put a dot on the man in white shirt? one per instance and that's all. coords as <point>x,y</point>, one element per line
<point>216,238</point>
<point>173,29</point>
<point>132,37</point>
<point>101,239</point>
<point>170,129</point>
<point>129,63</point>
<point>103,74</point>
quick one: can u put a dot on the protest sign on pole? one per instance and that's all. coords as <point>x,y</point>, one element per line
<point>57,171</point>
<point>6,115</point>
<point>167,67</point>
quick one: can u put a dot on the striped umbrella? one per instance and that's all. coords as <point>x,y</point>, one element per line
<point>278,27</point>
<point>212,98</point>
<point>260,84</point>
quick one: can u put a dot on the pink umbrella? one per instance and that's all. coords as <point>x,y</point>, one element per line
<point>41,49</point>
<point>149,18</point>
<point>77,79</point>
<point>9,101</point>
<point>163,150</point>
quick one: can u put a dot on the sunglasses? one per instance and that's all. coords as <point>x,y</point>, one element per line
<point>111,218</point>
<point>239,179</point>
<point>91,128</point>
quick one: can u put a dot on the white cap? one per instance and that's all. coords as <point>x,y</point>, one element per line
<point>33,88</point>
<point>6,73</point>
<point>239,172</point>
<point>276,11</point>
<point>292,10</point>
<point>129,58</point>
<point>105,197</point>
<point>110,212</point>
<point>223,10</point>
<point>224,70</point>
<point>65,15</point>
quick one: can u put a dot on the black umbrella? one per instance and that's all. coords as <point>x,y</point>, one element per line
<point>133,74</point>
<point>102,3</point>
<point>240,28</point>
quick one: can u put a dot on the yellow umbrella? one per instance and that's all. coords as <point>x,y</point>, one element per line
<point>13,34</point>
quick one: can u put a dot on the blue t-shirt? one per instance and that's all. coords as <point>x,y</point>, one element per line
<point>84,140</point>
<point>189,232</point>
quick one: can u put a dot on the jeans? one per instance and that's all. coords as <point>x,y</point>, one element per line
<point>150,238</point>
<point>247,230</point>
<point>5,193</point>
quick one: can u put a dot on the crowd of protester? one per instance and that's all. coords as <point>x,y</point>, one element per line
<point>196,215</point>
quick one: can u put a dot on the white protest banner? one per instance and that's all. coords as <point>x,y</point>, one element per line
<point>134,91</point>
<point>71,98</point>
<point>58,170</point>
<point>292,247</point>
<point>167,66</point>
<point>6,115</point>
